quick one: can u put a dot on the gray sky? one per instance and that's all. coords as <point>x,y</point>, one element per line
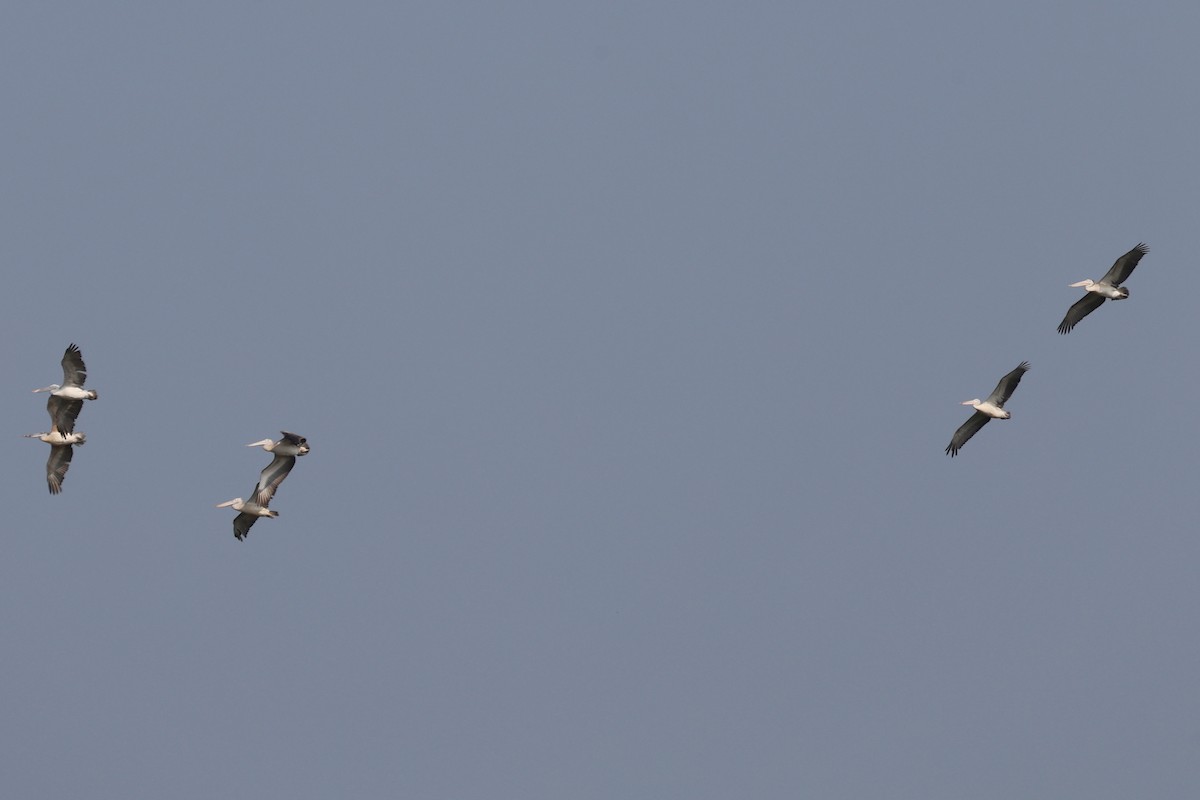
<point>628,338</point>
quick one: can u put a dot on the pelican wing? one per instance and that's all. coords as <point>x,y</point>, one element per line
<point>270,478</point>
<point>242,523</point>
<point>74,372</point>
<point>1122,268</point>
<point>294,438</point>
<point>1007,385</point>
<point>63,413</point>
<point>966,431</point>
<point>1082,307</point>
<point>56,466</point>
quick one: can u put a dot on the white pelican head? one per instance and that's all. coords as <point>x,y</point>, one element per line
<point>54,387</point>
<point>1083,283</point>
<point>263,443</point>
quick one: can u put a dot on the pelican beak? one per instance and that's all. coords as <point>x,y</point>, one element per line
<point>1078,284</point>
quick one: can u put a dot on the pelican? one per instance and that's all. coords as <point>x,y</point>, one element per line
<point>1107,288</point>
<point>989,409</point>
<point>285,450</point>
<point>61,453</point>
<point>66,399</point>
<point>250,512</point>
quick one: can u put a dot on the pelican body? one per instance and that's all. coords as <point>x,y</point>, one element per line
<point>250,512</point>
<point>1107,288</point>
<point>61,453</point>
<point>286,450</point>
<point>987,410</point>
<point>292,444</point>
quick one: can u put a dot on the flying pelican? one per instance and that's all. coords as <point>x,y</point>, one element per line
<point>67,399</point>
<point>1107,288</point>
<point>992,408</point>
<point>61,453</point>
<point>250,512</point>
<point>285,450</point>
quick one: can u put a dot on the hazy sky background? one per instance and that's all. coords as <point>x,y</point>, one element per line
<point>628,338</point>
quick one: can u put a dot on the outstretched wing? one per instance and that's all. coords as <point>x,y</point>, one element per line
<point>56,466</point>
<point>966,431</point>
<point>1007,384</point>
<point>74,372</point>
<point>241,525</point>
<point>1083,306</point>
<point>271,476</point>
<point>63,413</point>
<point>1122,268</point>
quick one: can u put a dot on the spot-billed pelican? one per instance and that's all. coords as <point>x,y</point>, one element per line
<point>989,409</point>
<point>250,512</point>
<point>285,450</point>
<point>66,399</point>
<point>61,453</point>
<point>1107,288</point>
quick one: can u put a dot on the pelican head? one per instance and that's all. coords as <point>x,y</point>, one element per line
<point>1086,282</point>
<point>974,402</point>
<point>54,387</point>
<point>236,502</point>
<point>264,443</point>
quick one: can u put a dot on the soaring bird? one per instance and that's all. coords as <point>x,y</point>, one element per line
<point>61,453</point>
<point>66,399</point>
<point>285,450</point>
<point>250,512</point>
<point>986,410</point>
<point>1107,288</point>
